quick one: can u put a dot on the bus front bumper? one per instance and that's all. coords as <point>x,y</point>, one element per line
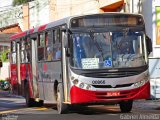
<point>81,96</point>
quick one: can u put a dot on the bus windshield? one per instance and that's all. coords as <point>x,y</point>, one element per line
<point>107,50</point>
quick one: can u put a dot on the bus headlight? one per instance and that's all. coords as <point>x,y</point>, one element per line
<point>81,85</point>
<point>140,83</point>
<point>75,82</point>
<point>72,78</point>
<point>88,87</point>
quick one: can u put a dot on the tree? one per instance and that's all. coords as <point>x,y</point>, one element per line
<point>4,56</point>
<point>19,2</point>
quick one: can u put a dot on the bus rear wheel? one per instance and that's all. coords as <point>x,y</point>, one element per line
<point>126,106</point>
<point>29,101</point>
<point>61,107</point>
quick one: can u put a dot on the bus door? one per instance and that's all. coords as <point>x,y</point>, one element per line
<point>34,67</point>
<point>66,84</point>
<point>18,68</point>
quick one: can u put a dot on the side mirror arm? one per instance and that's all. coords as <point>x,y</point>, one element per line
<point>149,45</point>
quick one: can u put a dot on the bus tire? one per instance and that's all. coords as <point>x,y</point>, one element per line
<point>126,106</point>
<point>29,101</point>
<point>61,107</point>
<point>40,103</point>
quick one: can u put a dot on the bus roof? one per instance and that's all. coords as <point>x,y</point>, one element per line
<point>40,28</point>
<point>61,22</point>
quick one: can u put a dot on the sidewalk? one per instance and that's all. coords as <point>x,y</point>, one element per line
<point>7,94</point>
<point>147,104</point>
<point>3,93</point>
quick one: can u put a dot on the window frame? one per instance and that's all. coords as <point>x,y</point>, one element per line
<point>14,51</point>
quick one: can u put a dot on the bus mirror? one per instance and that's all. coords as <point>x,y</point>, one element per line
<point>149,45</point>
<point>68,52</point>
<point>1,64</point>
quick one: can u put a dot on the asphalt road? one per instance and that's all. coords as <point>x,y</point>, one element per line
<point>13,108</point>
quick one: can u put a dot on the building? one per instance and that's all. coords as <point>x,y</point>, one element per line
<point>151,12</point>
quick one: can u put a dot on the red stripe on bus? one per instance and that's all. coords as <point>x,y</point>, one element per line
<point>31,31</point>
<point>42,27</point>
<point>18,35</point>
<point>79,95</point>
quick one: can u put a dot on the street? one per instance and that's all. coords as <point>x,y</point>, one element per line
<point>13,107</point>
<point>82,51</point>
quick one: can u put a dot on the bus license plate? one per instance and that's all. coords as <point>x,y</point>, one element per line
<point>113,93</point>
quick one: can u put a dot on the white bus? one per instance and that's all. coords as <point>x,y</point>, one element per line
<point>84,60</point>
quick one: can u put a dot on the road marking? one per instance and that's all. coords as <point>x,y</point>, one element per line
<point>24,109</point>
<point>11,103</point>
<point>43,108</point>
<point>9,111</point>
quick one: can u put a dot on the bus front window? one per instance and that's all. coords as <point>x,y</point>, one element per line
<point>107,50</point>
<point>128,49</point>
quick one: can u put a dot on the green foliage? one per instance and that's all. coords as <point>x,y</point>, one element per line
<point>19,2</point>
<point>2,80</point>
<point>4,56</point>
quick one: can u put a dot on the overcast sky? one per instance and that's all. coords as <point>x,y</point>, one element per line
<point>5,3</point>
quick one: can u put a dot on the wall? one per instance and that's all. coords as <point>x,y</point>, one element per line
<point>149,13</point>
<point>156,52</point>
<point>4,71</point>
<point>148,16</point>
<point>63,8</point>
<point>11,16</point>
<point>38,15</point>
<point>39,12</point>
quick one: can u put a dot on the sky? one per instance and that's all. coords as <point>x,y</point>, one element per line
<point>4,3</point>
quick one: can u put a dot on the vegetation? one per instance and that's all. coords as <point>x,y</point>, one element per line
<point>3,56</point>
<point>19,2</point>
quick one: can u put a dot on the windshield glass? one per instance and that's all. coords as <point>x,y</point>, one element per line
<point>107,50</point>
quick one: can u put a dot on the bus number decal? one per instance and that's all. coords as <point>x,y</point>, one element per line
<point>98,82</point>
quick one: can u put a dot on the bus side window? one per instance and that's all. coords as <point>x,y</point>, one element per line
<point>49,45</point>
<point>22,50</point>
<point>13,52</point>
<point>41,46</point>
<point>28,50</point>
<point>57,45</point>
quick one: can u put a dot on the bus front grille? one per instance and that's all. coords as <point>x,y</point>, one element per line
<point>111,75</point>
<point>109,86</point>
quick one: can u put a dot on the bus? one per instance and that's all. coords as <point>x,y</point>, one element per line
<point>83,60</point>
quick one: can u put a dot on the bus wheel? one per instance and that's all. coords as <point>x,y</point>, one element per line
<point>40,103</point>
<point>126,106</point>
<point>61,107</point>
<point>29,101</point>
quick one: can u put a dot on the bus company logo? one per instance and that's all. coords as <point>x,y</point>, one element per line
<point>98,82</point>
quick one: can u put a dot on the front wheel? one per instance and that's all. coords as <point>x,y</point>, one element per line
<point>126,106</point>
<point>61,107</point>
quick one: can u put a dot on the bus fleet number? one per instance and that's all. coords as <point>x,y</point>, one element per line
<point>98,82</point>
